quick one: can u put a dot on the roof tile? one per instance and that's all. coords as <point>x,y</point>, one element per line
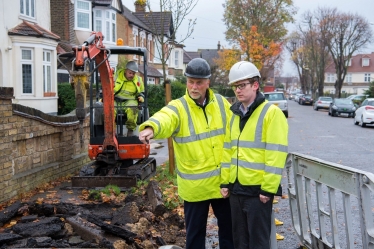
<point>28,29</point>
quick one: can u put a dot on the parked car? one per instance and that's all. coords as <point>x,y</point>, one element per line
<point>342,107</point>
<point>297,96</point>
<point>305,100</point>
<point>365,113</point>
<point>357,98</point>
<point>278,99</point>
<point>291,95</point>
<point>322,103</point>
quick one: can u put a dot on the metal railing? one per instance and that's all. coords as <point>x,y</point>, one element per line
<point>331,205</point>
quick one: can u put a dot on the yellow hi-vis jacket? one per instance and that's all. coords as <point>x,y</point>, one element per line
<point>127,89</point>
<point>256,155</point>
<point>198,137</point>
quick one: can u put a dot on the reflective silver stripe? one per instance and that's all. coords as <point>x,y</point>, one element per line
<point>174,109</point>
<point>262,145</point>
<point>277,147</point>
<point>225,165</point>
<point>248,165</point>
<point>155,121</point>
<point>260,124</point>
<point>199,176</point>
<point>190,123</point>
<point>273,170</point>
<point>221,109</point>
<point>252,145</point>
<point>193,137</point>
<point>234,142</point>
<point>198,137</point>
<point>227,145</point>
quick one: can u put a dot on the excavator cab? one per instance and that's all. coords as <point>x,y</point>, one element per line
<point>116,158</point>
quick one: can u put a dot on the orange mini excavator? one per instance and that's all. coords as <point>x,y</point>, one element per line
<point>117,159</point>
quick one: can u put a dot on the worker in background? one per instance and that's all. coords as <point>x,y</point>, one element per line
<point>197,122</point>
<point>255,152</point>
<point>128,92</point>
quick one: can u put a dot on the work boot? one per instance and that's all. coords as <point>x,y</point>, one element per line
<point>130,133</point>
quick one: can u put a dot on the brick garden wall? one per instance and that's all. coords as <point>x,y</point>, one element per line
<point>36,148</point>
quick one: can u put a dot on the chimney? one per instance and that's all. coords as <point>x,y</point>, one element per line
<point>140,5</point>
<point>218,46</point>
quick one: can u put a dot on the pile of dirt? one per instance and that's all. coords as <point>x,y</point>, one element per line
<point>76,222</point>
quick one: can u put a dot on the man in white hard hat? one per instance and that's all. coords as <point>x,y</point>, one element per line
<point>255,152</point>
<point>128,91</point>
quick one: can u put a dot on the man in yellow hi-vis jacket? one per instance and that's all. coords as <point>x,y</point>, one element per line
<point>197,122</point>
<point>128,91</point>
<point>255,154</point>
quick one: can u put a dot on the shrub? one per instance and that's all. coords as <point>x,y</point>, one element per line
<point>156,95</point>
<point>66,98</point>
<point>370,91</point>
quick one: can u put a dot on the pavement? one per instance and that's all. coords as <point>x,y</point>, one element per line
<point>159,150</point>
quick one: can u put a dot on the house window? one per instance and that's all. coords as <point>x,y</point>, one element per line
<point>151,81</point>
<point>27,68</point>
<point>47,81</point>
<point>349,62</point>
<point>176,59</point>
<point>367,77</point>
<point>135,39</point>
<point>83,14</point>
<point>330,77</point>
<point>27,8</point>
<point>149,50</point>
<point>365,62</point>
<point>105,22</point>
<point>348,78</point>
<point>113,27</point>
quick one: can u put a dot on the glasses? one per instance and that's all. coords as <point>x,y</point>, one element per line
<point>241,86</point>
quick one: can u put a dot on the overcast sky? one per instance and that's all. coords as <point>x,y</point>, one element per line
<point>209,28</point>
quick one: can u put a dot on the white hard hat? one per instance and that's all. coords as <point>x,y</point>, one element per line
<point>243,70</point>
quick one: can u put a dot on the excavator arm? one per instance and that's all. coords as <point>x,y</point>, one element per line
<point>93,49</point>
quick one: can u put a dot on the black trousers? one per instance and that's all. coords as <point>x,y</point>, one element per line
<point>196,215</point>
<point>251,221</point>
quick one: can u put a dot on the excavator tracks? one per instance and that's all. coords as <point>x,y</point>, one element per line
<point>127,177</point>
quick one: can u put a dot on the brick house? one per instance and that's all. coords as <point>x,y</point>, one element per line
<point>360,73</point>
<point>74,20</point>
<point>28,53</point>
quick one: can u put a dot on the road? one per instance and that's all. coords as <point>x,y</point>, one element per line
<point>333,139</point>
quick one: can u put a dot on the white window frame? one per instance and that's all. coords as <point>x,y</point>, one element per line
<point>367,77</point>
<point>47,71</point>
<point>30,62</point>
<point>365,62</point>
<point>330,77</point>
<point>143,44</point>
<point>149,47</point>
<point>176,58</point>
<point>349,62</point>
<point>107,24</point>
<point>135,39</point>
<point>348,78</point>
<point>83,11</point>
<point>151,81</point>
<point>28,8</point>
